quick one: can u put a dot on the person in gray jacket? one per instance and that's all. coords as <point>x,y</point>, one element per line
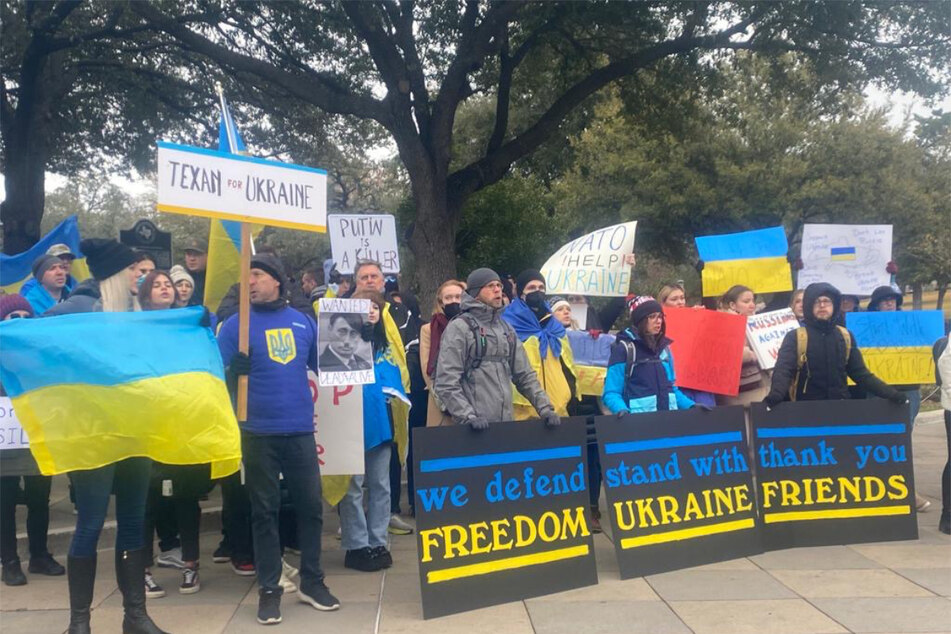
<point>480,357</point>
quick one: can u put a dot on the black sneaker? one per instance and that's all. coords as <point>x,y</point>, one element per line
<point>222,554</point>
<point>382,556</point>
<point>190,582</point>
<point>361,559</point>
<point>46,566</point>
<point>269,607</point>
<point>152,589</point>
<point>318,595</point>
<point>12,574</point>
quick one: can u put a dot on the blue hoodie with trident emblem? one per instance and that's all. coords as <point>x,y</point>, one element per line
<point>283,345</point>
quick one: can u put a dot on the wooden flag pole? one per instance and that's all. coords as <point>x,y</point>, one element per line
<point>244,316</point>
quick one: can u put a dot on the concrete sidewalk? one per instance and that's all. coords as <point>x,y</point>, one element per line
<point>887,587</point>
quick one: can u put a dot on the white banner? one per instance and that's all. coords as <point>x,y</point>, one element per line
<point>12,435</point>
<point>338,427</point>
<point>765,333</point>
<point>850,257</point>
<point>344,358</point>
<point>358,237</point>
<point>199,182</point>
<point>598,263</point>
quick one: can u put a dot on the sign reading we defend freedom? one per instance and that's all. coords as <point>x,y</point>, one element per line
<point>201,182</point>
<point>594,264</point>
<point>498,526</point>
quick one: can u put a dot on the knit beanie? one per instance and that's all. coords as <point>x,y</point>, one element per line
<point>479,278</point>
<point>270,264</point>
<point>12,302</point>
<point>557,301</point>
<point>642,306</point>
<point>106,257</point>
<point>178,273</point>
<point>43,264</point>
<point>526,276</point>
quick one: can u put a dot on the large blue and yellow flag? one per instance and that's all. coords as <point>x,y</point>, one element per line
<point>94,388</point>
<point>896,345</point>
<point>756,259</point>
<point>224,239</point>
<point>17,269</point>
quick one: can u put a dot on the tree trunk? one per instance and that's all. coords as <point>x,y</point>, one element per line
<point>942,290</point>
<point>22,210</point>
<point>433,241</point>
<point>916,296</point>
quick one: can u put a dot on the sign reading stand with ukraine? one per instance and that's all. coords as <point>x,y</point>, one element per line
<point>896,345</point>
<point>756,259</point>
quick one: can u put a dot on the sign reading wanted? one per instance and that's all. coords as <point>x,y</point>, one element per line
<point>344,358</point>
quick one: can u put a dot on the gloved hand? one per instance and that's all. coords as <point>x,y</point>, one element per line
<point>594,333</point>
<point>551,418</point>
<point>366,331</point>
<point>478,423</point>
<point>769,403</point>
<point>205,319</point>
<point>899,399</point>
<point>240,364</point>
<point>702,406</point>
<point>622,414</point>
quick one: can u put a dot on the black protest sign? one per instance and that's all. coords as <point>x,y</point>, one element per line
<point>679,489</point>
<point>146,237</point>
<point>834,472</point>
<point>501,514</point>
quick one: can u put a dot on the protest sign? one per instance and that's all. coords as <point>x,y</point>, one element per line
<point>850,257</point>
<point>338,427</point>
<point>14,443</point>
<point>707,349</point>
<point>679,488</point>
<point>358,237</point>
<point>834,472</point>
<point>598,263</point>
<point>756,259</point>
<point>766,332</point>
<point>201,182</point>
<point>501,514</point>
<point>896,345</point>
<point>588,350</point>
<point>344,358</point>
<point>579,314</point>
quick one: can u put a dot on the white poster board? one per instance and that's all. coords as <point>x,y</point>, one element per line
<point>765,333</point>
<point>12,434</point>
<point>579,313</point>
<point>338,427</point>
<point>201,182</point>
<point>850,257</point>
<point>598,263</point>
<point>343,357</point>
<point>356,237</point>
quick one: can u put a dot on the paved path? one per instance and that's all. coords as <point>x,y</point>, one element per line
<point>887,587</point>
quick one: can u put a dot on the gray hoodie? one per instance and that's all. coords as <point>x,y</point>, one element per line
<point>487,390</point>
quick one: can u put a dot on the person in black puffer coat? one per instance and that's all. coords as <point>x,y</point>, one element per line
<point>824,376</point>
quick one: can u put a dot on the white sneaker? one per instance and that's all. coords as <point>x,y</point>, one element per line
<point>171,559</point>
<point>398,526</point>
<point>339,534</point>
<point>288,585</point>
<point>289,570</point>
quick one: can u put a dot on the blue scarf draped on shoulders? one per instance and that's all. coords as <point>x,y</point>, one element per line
<point>526,325</point>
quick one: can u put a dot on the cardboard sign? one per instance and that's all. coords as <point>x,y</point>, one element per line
<point>766,332</point>
<point>679,487</point>
<point>756,259</point>
<point>501,514</point>
<point>594,264</point>
<point>834,472</point>
<point>12,434</point>
<point>707,349</point>
<point>579,314</point>
<point>359,237</point>
<point>896,345</point>
<point>587,350</point>
<point>201,182</point>
<point>344,358</point>
<point>338,427</point>
<point>850,257</point>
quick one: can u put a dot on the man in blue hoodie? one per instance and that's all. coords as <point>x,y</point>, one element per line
<point>277,439</point>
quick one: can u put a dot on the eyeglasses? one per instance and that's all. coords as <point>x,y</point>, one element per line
<point>822,301</point>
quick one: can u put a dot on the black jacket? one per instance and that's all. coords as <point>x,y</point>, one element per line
<point>824,375</point>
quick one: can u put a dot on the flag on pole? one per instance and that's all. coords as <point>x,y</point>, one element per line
<point>15,270</point>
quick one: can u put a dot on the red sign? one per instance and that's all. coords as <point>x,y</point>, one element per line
<point>707,348</point>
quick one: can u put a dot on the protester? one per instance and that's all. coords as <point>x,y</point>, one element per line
<point>51,274</point>
<point>561,311</point>
<point>278,436</point>
<point>196,263</point>
<point>144,265</point>
<point>795,305</point>
<point>446,306</point>
<point>851,304</point>
<point>184,286</point>
<point>310,285</point>
<point>35,493</point>
<point>545,343</point>
<point>480,357</point>
<point>942,356</point>
<point>113,264</point>
<point>640,375</point>
<point>66,255</point>
<point>754,382</point>
<point>675,296</point>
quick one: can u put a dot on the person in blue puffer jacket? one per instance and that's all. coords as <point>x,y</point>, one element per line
<point>640,375</point>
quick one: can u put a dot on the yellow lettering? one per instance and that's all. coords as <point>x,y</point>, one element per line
<point>429,541</point>
<point>571,527</point>
<point>477,531</point>
<point>723,499</point>
<point>823,488</point>
<point>769,492</point>
<point>520,538</point>
<point>742,493</point>
<point>455,540</point>
<point>790,493</point>
<point>498,532</point>
<point>692,507</point>
<point>644,510</point>
<point>622,523</point>
<point>879,485</point>
<point>668,509</point>
<point>542,523</point>
<point>897,482</point>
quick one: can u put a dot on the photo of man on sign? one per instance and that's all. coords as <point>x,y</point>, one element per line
<point>344,353</point>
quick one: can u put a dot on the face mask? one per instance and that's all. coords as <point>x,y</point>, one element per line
<point>452,309</point>
<point>535,299</point>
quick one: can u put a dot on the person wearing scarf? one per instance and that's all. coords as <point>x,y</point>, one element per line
<point>446,306</point>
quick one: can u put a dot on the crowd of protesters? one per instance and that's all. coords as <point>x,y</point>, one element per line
<point>494,349</point>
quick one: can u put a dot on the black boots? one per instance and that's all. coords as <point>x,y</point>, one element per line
<point>81,572</point>
<point>130,573</point>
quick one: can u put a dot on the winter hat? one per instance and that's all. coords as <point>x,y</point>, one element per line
<point>882,293</point>
<point>60,250</point>
<point>12,302</point>
<point>526,276</point>
<point>642,306</point>
<point>178,273</point>
<point>270,264</point>
<point>479,278</point>
<point>106,256</point>
<point>557,301</point>
<point>197,245</point>
<point>43,264</point>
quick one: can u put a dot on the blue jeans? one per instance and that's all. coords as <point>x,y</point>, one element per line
<point>130,479</point>
<point>360,530</point>
<point>914,405</point>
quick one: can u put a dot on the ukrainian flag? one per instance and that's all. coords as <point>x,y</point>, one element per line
<point>842,254</point>
<point>94,388</point>
<point>17,269</point>
<point>897,345</point>
<point>224,239</point>
<point>756,259</point>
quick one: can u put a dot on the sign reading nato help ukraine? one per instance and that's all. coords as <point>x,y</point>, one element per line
<point>501,514</point>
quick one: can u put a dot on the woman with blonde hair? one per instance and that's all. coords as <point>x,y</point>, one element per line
<point>445,307</point>
<point>754,381</point>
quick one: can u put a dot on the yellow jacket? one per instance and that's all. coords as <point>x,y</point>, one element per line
<point>551,376</point>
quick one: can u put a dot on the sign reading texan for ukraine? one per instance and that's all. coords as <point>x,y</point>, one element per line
<point>201,182</point>
<point>598,263</point>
